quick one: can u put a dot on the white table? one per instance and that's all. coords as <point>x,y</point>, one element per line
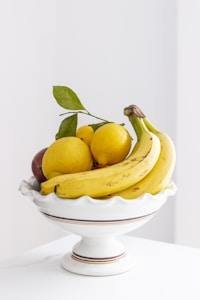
<point>161,271</point>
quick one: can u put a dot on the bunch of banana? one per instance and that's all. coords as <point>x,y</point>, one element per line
<point>112,180</point>
<point>160,176</point>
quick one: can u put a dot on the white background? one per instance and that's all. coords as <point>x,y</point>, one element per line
<point>187,225</point>
<point>112,54</point>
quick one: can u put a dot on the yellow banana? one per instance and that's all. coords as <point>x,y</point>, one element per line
<point>111,179</point>
<point>160,176</point>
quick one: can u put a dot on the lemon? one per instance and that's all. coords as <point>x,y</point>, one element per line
<point>66,155</point>
<point>110,144</point>
<point>85,133</point>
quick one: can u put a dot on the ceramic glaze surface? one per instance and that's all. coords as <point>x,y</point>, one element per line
<point>98,222</point>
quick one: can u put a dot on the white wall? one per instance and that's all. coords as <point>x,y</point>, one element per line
<point>188,145</point>
<point>112,53</point>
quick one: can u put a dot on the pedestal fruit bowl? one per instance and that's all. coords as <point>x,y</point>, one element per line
<point>98,223</point>
<point>98,186</point>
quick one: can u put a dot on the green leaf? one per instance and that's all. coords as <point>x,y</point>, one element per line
<point>97,125</point>
<point>67,127</point>
<point>66,98</point>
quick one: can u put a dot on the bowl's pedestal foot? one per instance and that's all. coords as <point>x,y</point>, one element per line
<point>97,257</point>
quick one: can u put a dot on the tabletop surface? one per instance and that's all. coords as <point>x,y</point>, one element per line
<point>161,271</point>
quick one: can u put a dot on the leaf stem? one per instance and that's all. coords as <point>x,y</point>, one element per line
<point>85,112</point>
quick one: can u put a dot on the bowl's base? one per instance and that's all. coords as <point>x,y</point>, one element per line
<point>95,267</point>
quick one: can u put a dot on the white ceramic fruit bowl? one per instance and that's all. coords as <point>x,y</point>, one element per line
<point>98,223</point>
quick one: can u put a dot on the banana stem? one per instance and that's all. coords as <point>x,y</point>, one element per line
<point>133,110</point>
<point>136,117</point>
<point>138,125</point>
<point>150,126</point>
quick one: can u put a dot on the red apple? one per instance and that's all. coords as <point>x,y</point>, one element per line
<point>37,166</point>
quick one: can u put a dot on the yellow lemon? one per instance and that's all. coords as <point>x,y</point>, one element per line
<point>66,155</point>
<point>85,133</point>
<point>110,144</point>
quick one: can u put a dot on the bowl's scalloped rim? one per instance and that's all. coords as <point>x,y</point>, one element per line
<point>86,207</point>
